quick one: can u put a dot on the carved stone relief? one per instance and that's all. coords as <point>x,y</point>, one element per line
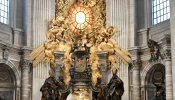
<point>3,76</point>
<point>58,70</point>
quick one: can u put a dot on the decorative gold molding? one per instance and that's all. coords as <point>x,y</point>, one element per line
<point>97,37</point>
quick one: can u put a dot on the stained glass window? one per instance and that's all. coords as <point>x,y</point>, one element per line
<point>160,11</point>
<point>81,17</point>
<point>4,5</point>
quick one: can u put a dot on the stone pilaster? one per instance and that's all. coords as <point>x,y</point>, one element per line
<point>25,79</point>
<point>58,63</point>
<point>168,75</point>
<point>58,70</point>
<point>103,66</point>
<point>6,52</point>
<point>17,37</point>
<point>136,64</point>
<point>143,36</point>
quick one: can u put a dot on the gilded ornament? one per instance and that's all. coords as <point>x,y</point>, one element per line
<point>63,33</point>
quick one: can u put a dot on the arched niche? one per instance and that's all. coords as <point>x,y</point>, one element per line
<point>9,81</point>
<point>156,74</point>
<point>153,73</point>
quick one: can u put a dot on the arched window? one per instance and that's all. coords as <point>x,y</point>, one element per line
<point>4,11</point>
<point>160,11</point>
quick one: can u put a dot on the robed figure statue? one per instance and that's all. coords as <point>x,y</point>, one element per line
<point>115,87</point>
<point>101,92</point>
<point>50,88</point>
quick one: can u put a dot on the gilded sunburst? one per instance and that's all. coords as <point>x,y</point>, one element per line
<point>81,17</point>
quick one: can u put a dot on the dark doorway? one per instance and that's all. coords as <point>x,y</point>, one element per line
<point>7,83</point>
<point>155,78</point>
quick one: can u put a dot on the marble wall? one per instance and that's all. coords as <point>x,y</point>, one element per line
<point>172,25</point>
<point>120,13</point>
<point>43,11</point>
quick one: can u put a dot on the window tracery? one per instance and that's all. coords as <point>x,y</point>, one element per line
<point>4,11</point>
<point>160,11</point>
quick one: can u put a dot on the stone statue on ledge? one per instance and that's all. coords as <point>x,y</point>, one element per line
<point>154,50</point>
<point>115,87</point>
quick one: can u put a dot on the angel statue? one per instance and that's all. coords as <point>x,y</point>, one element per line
<point>154,50</point>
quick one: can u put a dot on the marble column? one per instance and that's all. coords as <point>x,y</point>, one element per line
<point>168,75</point>
<point>172,29</point>
<point>17,38</point>
<point>25,80</point>
<point>136,64</point>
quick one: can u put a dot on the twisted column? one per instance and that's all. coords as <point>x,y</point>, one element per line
<point>136,64</point>
<point>168,75</point>
<point>25,80</point>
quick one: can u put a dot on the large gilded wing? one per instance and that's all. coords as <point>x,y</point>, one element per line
<point>123,54</point>
<point>37,55</point>
<point>115,53</point>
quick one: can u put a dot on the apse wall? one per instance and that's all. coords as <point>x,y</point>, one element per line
<point>43,10</point>
<point>120,14</point>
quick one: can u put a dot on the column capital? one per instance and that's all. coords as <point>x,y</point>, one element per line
<point>26,63</point>
<point>167,55</point>
<point>136,64</point>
